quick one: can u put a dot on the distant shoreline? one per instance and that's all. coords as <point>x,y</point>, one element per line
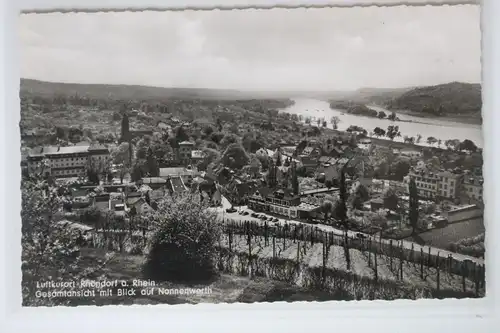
<point>457,119</point>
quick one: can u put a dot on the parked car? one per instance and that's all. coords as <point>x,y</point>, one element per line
<point>275,219</point>
<point>230,210</point>
<point>245,213</point>
<point>255,215</point>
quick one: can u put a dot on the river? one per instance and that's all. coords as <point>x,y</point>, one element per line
<point>440,129</point>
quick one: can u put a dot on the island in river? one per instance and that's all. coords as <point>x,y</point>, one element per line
<point>455,101</point>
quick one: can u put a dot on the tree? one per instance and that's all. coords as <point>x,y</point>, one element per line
<point>142,146</point>
<point>120,155</point>
<point>219,125</point>
<point>419,137</point>
<point>208,130</point>
<point>50,250</point>
<point>295,179</point>
<point>217,137</point>
<point>390,199</point>
<point>341,212</point>
<point>431,140</point>
<point>235,156</point>
<point>392,116</point>
<point>381,115</point>
<point>229,139</point>
<point>184,242</point>
<point>400,168</point>
<point>180,134</point>
<point>393,132</point>
<point>381,170</point>
<point>335,122</point>
<point>378,132</point>
<point>152,164</point>
<point>209,156</point>
<point>137,171</point>
<point>125,130</point>
<point>278,160</point>
<point>467,145</point>
<point>92,176</point>
<point>452,144</point>
<point>326,208</point>
<point>413,203</point>
<point>361,194</point>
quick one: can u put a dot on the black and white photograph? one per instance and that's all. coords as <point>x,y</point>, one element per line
<point>254,155</point>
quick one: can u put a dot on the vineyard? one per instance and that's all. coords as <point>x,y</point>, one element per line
<point>316,259</point>
<point>312,258</point>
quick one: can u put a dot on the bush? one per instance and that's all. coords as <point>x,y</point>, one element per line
<point>184,243</point>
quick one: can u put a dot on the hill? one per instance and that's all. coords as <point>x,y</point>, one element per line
<point>131,92</point>
<point>450,99</point>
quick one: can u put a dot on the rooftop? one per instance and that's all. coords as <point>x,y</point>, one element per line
<point>186,143</point>
<point>55,150</point>
<point>307,207</point>
<point>197,154</point>
<point>179,171</point>
<point>153,180</point>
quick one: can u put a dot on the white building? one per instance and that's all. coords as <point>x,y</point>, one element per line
<point>473,187</point>
<point>431,184</point>
<point>72,161</point>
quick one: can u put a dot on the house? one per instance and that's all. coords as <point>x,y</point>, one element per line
<point>117,206</point>
<point>153,182</point>
<point>311,152</point>
<point>309,164</point>
<point>473,186</point>
<point>184,151</point>
<point>139,204</point>
<point>101,202</point>
<point>288,150</point>
<point>279,201</point>
<point>136,133</point>
<point>411,153</point>
<point>450,184</point>
<point>197,156</point>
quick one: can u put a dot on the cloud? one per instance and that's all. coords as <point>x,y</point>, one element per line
<point>278,49</point>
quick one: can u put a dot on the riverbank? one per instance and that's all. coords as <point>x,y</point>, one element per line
<point>449,118</point>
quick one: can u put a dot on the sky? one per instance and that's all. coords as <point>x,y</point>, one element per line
<point>264,50</point>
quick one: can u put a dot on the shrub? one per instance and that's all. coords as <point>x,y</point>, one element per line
<point>184,242</point>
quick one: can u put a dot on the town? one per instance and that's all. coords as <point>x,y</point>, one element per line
<point>275,172</point>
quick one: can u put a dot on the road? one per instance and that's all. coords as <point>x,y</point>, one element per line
<point>406,244</point>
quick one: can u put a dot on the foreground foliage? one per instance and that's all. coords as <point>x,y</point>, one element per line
<point>185,236</point>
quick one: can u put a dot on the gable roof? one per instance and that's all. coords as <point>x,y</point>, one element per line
<point>134,201</point>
